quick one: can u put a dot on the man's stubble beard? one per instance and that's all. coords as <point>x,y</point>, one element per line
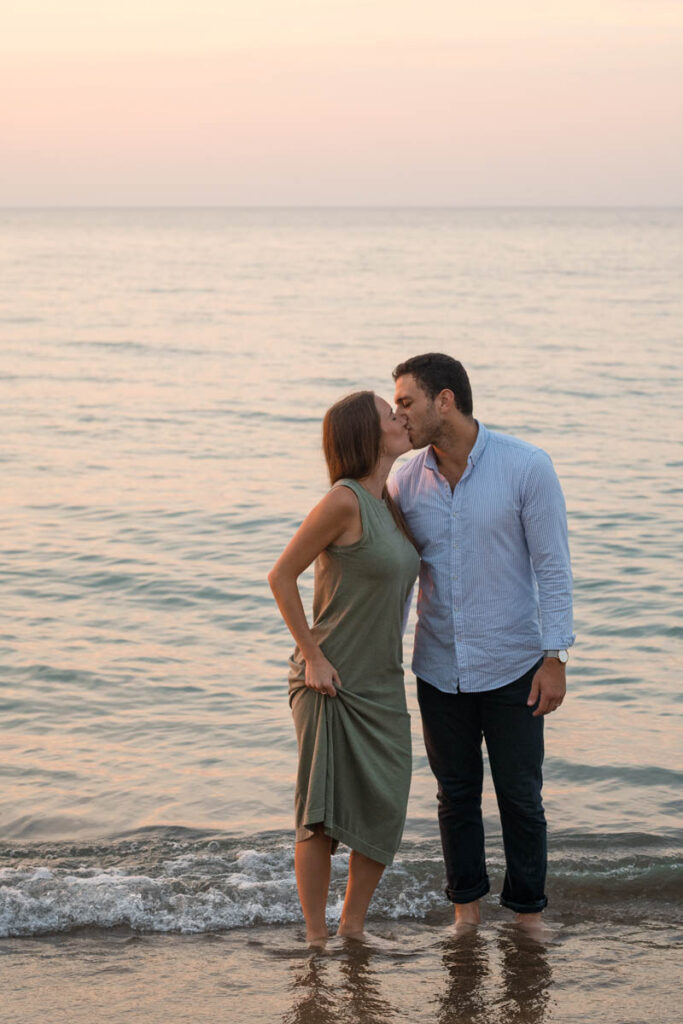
<point>431,433</point>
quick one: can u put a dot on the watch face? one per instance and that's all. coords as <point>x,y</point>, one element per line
<point>563,656</point>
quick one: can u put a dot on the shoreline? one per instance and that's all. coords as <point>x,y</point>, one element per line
<point>421,973</point>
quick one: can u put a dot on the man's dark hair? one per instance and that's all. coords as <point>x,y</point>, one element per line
<point>435,372</point>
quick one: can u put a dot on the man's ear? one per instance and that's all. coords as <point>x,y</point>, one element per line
<point>445,400</point>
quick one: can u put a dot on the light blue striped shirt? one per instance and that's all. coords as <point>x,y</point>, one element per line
<point>495,578</point>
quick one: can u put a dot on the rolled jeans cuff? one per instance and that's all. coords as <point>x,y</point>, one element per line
<point>469,895</point>
<point>525,908</point>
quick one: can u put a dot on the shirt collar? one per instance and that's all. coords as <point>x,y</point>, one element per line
<point>479,445</point>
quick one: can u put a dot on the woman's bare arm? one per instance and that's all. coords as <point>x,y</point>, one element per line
<point>334,519</point>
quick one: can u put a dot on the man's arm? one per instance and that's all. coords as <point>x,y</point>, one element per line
<point>544,516</point>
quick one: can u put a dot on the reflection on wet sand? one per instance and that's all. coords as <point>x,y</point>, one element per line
<point>466,961</point>
<point>527,977</point>
<point>470,996</point>
<point>313,998</point>
<point>500,977</point>
<point>325,995</point>
<point>363,1003</point>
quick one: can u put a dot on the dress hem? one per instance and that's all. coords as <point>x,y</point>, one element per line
<point>348,838</point>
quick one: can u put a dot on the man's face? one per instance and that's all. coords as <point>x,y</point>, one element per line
<point>418,412</point>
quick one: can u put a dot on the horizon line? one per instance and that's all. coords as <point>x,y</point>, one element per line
<point>341,206</point>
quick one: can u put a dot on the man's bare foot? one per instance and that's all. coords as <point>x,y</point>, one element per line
<point>467,917</point>
<point>317,941</point>
<point>534,926</point>
<point>464,928</point>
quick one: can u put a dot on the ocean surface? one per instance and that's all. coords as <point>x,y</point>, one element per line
<point>163,376</point>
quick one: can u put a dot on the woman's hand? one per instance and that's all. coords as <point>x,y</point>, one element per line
<point>322,676</point>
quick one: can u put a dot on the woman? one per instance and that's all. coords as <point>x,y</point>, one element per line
<point>346,675</point>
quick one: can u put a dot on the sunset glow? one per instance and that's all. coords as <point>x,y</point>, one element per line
<point>343,103</point>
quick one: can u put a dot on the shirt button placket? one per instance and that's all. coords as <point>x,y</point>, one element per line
<point>454,564</point>
<point>456,603</point>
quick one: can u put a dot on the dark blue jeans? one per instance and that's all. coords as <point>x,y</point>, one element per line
<point>453,726</point>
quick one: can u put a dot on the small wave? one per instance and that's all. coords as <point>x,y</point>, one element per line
<point>635,775</point>
<point>15,320</point>
<point>123,346</point>
<point>177,880</point>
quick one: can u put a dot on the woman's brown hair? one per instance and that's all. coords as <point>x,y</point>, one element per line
<point>352,439</point>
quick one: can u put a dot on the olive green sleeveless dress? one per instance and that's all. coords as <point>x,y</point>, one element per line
<point>354,749</point>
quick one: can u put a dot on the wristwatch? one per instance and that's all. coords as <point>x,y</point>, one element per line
<point>560,655</point>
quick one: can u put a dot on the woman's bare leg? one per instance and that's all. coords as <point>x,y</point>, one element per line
<point>312,865</point>
<point>364,874</point>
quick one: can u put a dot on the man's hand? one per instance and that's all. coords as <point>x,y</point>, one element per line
<point>548,687</point>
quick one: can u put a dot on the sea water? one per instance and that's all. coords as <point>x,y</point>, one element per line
<point>164,374</point>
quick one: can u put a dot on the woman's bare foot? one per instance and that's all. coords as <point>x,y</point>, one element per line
<point>317,941</point>
<point>348,933</point>
<point>369,941</point>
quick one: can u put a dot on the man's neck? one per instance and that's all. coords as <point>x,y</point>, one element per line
<point>453,447</point>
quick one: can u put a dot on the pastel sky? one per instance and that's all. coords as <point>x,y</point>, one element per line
<point>341,102</point>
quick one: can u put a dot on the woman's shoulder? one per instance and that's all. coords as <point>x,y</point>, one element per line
<point>341,506</point>
<point>345,486</point>
<point>341,499</point>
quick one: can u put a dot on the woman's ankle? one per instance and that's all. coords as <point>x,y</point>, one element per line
<point>350,927</point>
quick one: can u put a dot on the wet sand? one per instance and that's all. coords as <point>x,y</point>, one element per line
<point>588,972</point>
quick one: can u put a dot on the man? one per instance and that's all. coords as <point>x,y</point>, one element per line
<point>494,624</point>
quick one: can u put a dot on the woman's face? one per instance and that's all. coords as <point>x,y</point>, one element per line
<point>395,440</point>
